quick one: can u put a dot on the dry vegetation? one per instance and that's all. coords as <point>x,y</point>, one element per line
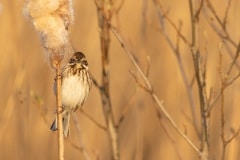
<point>173,82</point>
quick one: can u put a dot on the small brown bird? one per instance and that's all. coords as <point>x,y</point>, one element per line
<point>76,84</point>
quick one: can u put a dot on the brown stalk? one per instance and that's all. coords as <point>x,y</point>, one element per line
<point>55,61</point>
<point>200,78</point>
<point>59,114</point>
<point>103,12</point>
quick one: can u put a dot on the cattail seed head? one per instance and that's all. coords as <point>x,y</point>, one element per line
<point>51,19</point>
<point>38,8</point>
<point>52,31</point>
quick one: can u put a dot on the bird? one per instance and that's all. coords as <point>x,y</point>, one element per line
<point>76,85</point>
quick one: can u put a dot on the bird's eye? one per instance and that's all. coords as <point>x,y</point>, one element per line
<point>72,60</point>
<point>84,64</point>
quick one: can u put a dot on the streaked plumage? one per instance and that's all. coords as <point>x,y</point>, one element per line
<point>76,84</point>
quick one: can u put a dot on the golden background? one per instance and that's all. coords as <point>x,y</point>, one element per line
<point>27,101</point>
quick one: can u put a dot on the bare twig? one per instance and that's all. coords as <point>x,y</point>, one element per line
<point>198,11</point>
<point>224,78</point>
<point>149,88</point>
<point>228,82</point>
<point>125,110</point>
<point>82,146</point>
<point>139,84</point>
<point>42,109</point>
<point>177,54</point>
<point>226,14</point>
<point>225,35</point>
<point>234,59</point>
<point>172,140</point>
<point>96,84</point>
<point>227,141</point>
<point>183,38</point>
<point>148,66</point>
<point>117,9</point>
<point>101,89</point>
<point>232,80</point>
<point>231,54</point>
<point>93,120</point>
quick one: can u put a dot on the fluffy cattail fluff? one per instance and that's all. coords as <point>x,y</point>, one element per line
<point>38,8</point>
<point>52,31</point>
<point>66,12</point>
<point>51,19</point>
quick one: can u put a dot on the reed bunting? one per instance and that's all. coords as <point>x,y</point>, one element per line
<point>76,84</point>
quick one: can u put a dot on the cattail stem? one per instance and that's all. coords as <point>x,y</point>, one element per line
<point>59,114</point>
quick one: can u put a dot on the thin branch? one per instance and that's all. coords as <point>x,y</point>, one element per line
<point>192,81</point>
<point>179,60</point>
<point>93,120</point>
<point>226,35</point>
<point>234,59</point>
<point>174,144</point>
<point>117,9</point>
<point>100,88</point>
<point>125,110</point>
<point>129,53</point>
<point>42,109</point>
<point>210,6</point>
<point>149,87</point>
<point>224,80</point>
<point>96,84</point>
<point>148,66</point>
<point>82,146</point>
<point>233,136</point>
<point>161,9</point>
<point>229,82</point>
<point>198,11</point>
<point>139,84</point>
<point>231,54</point>
<point>226,14</point>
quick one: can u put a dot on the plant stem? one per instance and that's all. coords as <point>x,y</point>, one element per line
<point>59,114</point>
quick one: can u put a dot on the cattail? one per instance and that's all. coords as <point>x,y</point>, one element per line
<point>38,8</point>
<point>51,19</point>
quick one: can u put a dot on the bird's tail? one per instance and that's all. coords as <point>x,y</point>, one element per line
<point>66,122</point>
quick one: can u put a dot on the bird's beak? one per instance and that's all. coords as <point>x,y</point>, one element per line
<point>78,65</point>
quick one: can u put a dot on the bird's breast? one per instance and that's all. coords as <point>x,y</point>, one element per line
<point>74,92</point>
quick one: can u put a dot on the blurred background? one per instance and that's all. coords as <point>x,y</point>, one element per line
<point>27,101</point>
